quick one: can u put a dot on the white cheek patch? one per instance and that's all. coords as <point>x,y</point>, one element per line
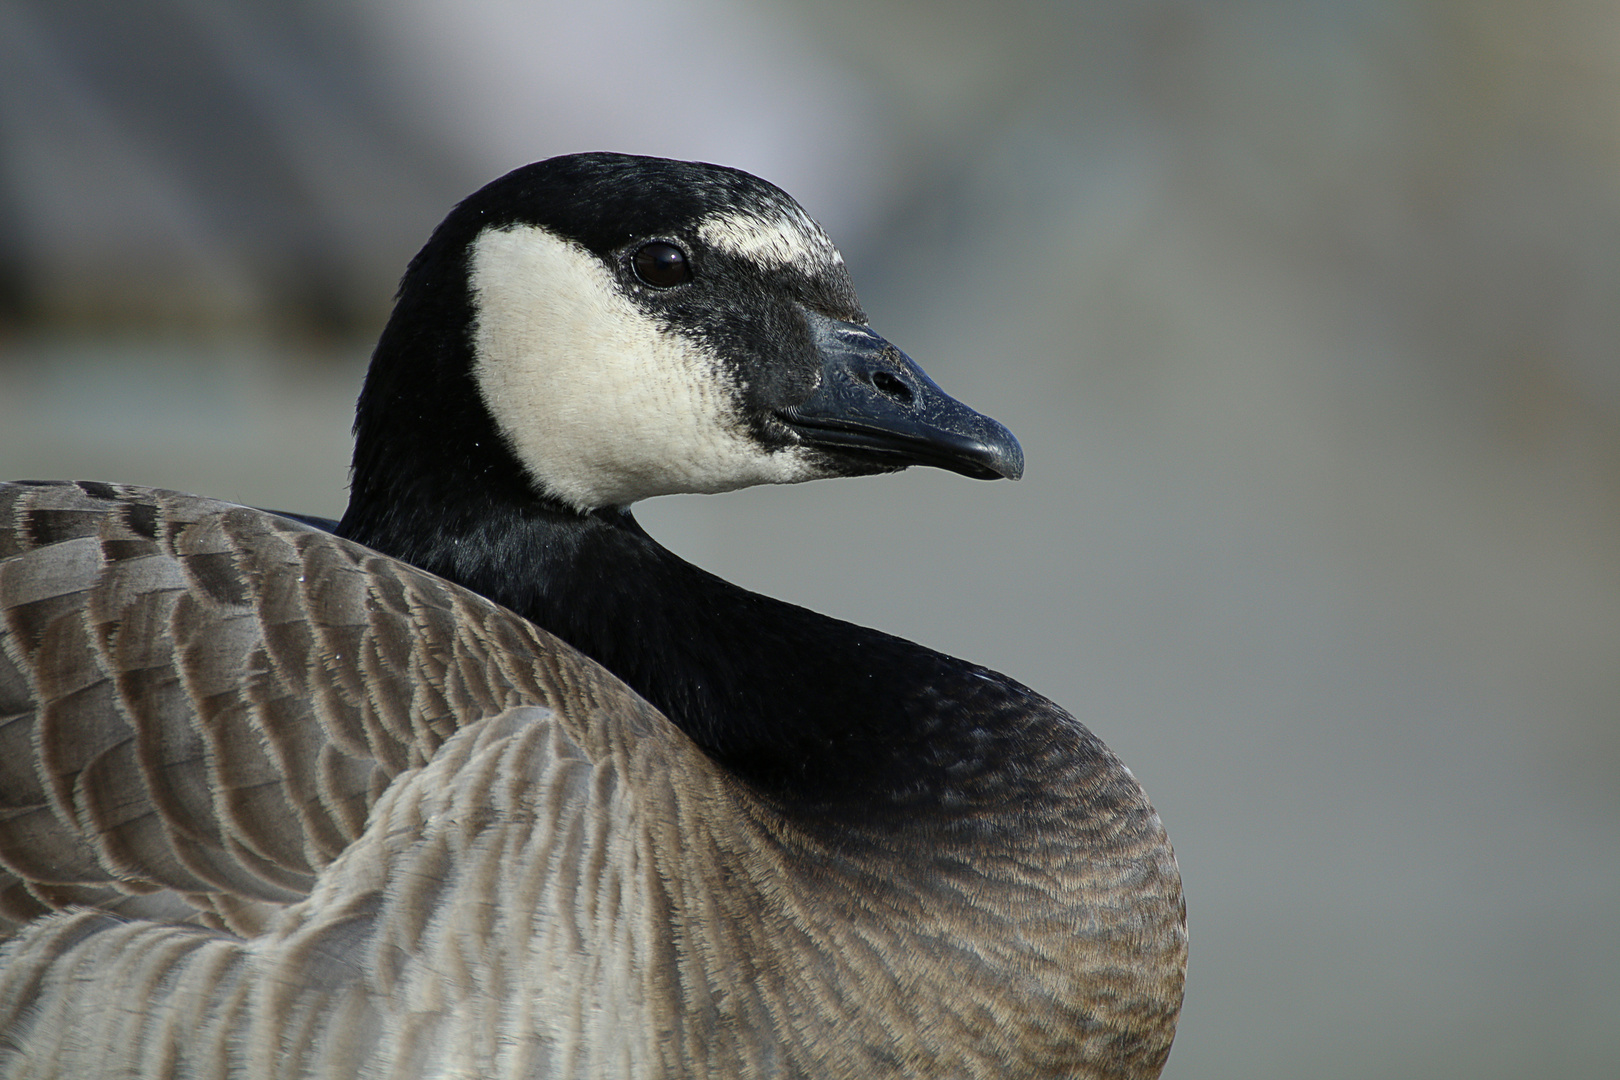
<point>602,404</point>
<point>785,238</point>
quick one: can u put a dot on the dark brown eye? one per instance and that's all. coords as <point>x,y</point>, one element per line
<point>661,265</point>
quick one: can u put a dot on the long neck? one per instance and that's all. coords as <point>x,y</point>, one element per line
<point>800,705</point>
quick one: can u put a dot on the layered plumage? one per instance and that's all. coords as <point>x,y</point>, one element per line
<point>332,814</point>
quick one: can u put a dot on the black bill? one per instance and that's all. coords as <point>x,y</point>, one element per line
<point>874,402</point>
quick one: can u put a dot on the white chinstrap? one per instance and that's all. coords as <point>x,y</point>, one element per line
<point>601,402</point>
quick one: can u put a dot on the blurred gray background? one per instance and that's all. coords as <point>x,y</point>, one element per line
<point>1307,314</point>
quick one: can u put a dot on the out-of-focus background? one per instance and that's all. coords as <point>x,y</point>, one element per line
<point>1307,314</point>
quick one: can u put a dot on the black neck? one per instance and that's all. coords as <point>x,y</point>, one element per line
<point>803,707</point>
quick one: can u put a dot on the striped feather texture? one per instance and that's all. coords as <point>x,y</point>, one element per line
<point>273,805</point>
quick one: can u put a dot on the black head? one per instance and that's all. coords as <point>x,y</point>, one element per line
<point>596,329</point>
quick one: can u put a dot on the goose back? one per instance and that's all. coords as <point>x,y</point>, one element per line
<point>202,701</point>
<point>419,836</point>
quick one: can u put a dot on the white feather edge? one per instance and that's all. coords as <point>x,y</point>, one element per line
<point>789,238</point>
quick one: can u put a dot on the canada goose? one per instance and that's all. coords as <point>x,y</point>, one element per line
<point>307,808</point>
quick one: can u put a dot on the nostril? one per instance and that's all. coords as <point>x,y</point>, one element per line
<point>888,384</point>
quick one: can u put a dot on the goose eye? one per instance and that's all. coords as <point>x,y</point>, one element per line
<point>663,266</point>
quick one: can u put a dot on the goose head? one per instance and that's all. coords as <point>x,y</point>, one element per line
<point>597,329</point>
